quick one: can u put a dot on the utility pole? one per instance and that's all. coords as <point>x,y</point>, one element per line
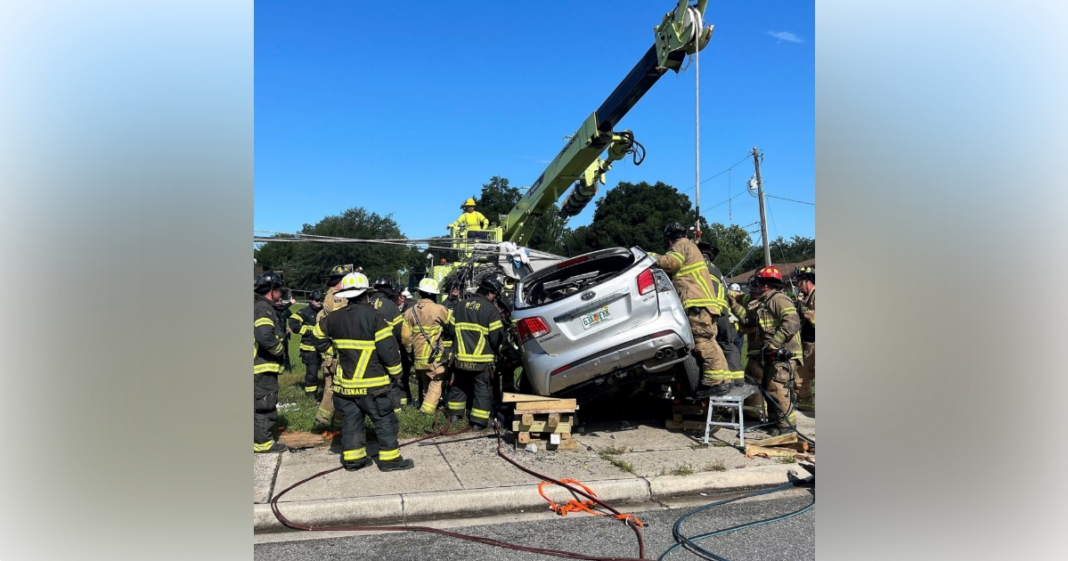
<point>763,216</point>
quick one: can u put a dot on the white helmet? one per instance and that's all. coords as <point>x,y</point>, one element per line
<point>736,287</point>
<point>429,285</point>
<point>353,285</point>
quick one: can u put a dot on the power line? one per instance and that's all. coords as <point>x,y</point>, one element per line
<point>785,199</point>
<point>718,174</point>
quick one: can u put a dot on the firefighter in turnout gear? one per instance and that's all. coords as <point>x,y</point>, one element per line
<point>478,334</point>
<point>775,326</point>
<point>471,219</point>
<point>689,273</point>
<point>268,358</point>
<point>726,332</point>
<point>302,323</point>
<point>422,332</point>
<point>382,300</point>
<point>326,415</point>
<point>805,277</point>
<point>368,357</point>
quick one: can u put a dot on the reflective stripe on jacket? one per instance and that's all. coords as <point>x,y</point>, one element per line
<point>367,351</point>
<point>268,351</point>
<point>689,273</point>
<point>478,330</point>
<point>430,314</point>
<point>777,323</point>
<point>471,221</point>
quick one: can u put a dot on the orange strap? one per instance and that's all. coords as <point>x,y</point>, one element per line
<point>574,505</point>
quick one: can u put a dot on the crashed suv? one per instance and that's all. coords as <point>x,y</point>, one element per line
<point>602,321</point>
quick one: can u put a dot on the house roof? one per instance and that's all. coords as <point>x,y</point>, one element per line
<point>786,268</point>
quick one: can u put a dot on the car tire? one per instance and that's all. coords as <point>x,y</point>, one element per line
<point>692,373</point>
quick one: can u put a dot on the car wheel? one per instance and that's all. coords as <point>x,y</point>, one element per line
<point>693,374</point>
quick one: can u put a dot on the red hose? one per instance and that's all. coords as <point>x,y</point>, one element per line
<point>488,541</point>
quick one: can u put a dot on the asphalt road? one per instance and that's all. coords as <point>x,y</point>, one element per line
<point>791,539</point>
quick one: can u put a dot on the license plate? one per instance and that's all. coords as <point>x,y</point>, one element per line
<point>595,318</point>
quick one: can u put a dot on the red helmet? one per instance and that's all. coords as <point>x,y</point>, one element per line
<point>769,273</point>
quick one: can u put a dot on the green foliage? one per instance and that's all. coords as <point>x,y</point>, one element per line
<point>306,264</point>
<point>634,214</point>
<point>497,200</point>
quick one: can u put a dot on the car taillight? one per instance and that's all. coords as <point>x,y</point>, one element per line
<point>646,281</point>
<point>531,328</point>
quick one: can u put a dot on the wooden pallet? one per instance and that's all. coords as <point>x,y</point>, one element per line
<point>543,420</point>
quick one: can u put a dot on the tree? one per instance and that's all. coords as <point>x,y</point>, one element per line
<point>497,198</point>
<point>634,214</point>
<point>733,243</point>
<point>306,264</point>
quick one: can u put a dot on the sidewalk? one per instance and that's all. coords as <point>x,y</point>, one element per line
<point>463,476</point>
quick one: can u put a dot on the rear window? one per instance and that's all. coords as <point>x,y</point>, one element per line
<point>572,276</point>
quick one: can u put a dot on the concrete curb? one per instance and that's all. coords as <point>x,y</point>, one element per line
<point>409,507</point>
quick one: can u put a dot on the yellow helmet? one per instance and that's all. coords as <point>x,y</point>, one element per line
<point>470,202</point>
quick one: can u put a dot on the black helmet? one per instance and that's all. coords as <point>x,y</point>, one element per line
<point>266,282</point>
<point>754,283</point>
<point>384,282</point>
<point>674,230</point>
<point>316,295</point>
<point>802,273</point>
<point>336,274</point>
<point>708,249</point>
<point>491,284</point>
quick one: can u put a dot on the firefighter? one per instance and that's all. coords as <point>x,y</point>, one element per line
<point>478,334</point>
<point>382,300</point>
<point>282,309</point>
<point>268,358</point>
<point>326,415</point>
<point>734,293</point>
<point>805,277</point>
<point>368,357</point>
<point>725,330</point>
<point>772,320</point>
<point>453,289</point>
<point>689,273</point>
<point>423,334</point>
<point>302,323</point>
<point>471,219</point>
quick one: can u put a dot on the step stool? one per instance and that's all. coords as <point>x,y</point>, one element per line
<point>733,399</point>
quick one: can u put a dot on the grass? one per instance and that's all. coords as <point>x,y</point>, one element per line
<point>296,411</point>
<point>609,454</point>
<point>790,460</point>
<point>681,469</point>
<point>715,466</point>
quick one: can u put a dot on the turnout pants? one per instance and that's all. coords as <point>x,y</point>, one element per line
<point>714,369</point>
<point>264,411</point>
<point>778,385</point>
<point>473,385</point>
<point>326,414</point>
<point>379,408</point>
<point>725,338</point>
<point>311,371</point>
<point>431,380</point>
<point>806,374</point>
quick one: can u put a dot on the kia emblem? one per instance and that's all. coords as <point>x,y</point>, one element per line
<point>589,295</point>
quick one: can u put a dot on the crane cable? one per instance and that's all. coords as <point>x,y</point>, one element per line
<point>698,23</point>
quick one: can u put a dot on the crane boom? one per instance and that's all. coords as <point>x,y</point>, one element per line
<point>680,33</point>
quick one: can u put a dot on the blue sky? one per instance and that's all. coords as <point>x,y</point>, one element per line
<point>408,108</point>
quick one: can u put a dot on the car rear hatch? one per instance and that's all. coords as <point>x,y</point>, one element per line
<point>587,299</point>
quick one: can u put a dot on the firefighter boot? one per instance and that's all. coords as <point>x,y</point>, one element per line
<point>396,465</point>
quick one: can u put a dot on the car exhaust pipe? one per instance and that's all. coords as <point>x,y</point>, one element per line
<point>669,352</point>
<point>660,354</point>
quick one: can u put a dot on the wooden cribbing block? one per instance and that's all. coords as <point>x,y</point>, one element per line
<point>547,406</point>
<point>540,426</point>
<point>754,450</point>
<point>523,437</point>
<point>554,419</point>
<point>528,419</point>
<point>788,438</point>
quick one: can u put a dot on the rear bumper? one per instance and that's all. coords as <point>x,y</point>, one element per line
<point>640,351</point>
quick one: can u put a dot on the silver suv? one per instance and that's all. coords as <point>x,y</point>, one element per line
<point>600,320</point>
